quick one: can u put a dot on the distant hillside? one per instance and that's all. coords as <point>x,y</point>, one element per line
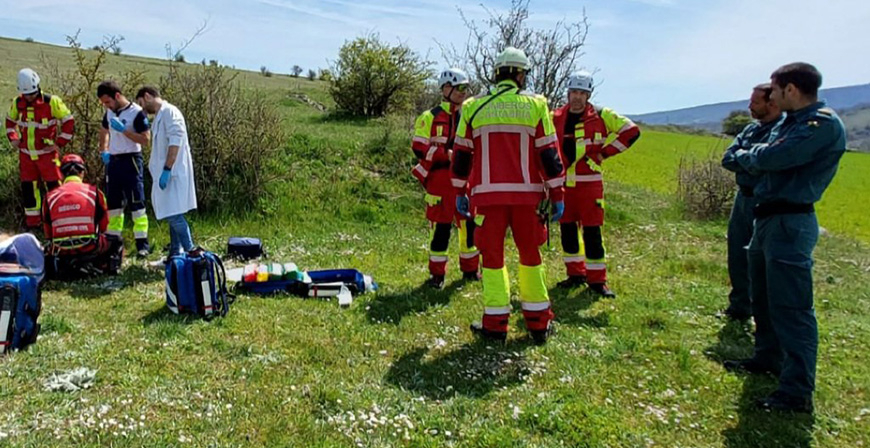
<point>840,98</point>
<point>852,103</point>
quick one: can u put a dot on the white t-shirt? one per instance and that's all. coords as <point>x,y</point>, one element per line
<point>132,115</point>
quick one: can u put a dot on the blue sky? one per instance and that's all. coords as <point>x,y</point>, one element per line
<point>650,54</point>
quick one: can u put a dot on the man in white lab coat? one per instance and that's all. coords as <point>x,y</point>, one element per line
<point>173,192</point>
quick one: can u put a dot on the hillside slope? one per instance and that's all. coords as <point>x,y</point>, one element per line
<point>399,368</point>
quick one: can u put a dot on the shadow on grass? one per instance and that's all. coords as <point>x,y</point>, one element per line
<point>472,370</point>
<point>162,316</point>
<point>139,273</point>
<point>757,428</point>
<point>89,287</point>
<point>766,429</point>
<point>734,342</point>
<point>569,304</point>
<point>391,308</point>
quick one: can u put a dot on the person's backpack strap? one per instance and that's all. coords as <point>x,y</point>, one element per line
<point>223,293</point>
<point>8,309</point>
<point>488,100</point>
<point>204,284</point>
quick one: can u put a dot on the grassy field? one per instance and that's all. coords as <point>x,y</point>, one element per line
<point>399,368</point>
<point>655,159</point>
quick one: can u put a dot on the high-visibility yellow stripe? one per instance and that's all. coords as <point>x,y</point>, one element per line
<point>533,284</point>
<point>432,200</point>
<point>31,134</point>
<point>140,224</point>
<point>571,176</point>
<point>465,251</point>
<point>496,288</point>
<point>116,222</point>
<point>38,196</point>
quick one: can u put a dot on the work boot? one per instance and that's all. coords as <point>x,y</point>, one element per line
<point>602,290</point>
<point>496,336</point>
<point>472,276</point>
<point>540,336</point>
<point>749,365</point>
<point>435,282</point>
<point>143,249</point>
<point>781,401</point>
<point>572,281</point>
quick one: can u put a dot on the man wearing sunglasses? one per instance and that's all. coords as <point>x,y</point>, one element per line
<point>434,133</point>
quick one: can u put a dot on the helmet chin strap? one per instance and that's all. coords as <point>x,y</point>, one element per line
<point>450,94</point>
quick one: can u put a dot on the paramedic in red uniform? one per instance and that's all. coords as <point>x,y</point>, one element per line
<point>434,134</point>
<point>38,125</point>
<point>584,131</point>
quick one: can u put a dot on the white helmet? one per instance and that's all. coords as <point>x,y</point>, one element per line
<point>512,57</point>
<point>580,81</point>
<point>453,76</point>
<point>28,81</point>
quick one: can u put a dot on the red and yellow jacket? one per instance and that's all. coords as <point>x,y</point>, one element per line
<point>506,149</point>
<point>40,124</point>
<point>434,134</point>
<point>74,215</point>
<point>590,138</point>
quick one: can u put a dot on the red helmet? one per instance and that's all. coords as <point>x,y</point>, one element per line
<point>72,164</point>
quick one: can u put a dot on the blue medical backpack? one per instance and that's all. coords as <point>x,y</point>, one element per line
<point>20,304</point>
<point>196,283</point>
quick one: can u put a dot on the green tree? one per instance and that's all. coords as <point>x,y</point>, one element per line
<point>324,75</point>
<point>371,78</point>
<point>735,122</point>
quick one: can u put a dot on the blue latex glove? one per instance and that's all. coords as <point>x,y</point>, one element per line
<point>117,124</point>
<point>462,206</point>
<point>557,210</point>
<point>164,178</point>
<point>105,156</point>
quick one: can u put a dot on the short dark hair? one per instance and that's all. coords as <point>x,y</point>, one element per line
<point>507,73</point>
<point>108,88</point>
<point>804,76</point>
<point>766,88</point>
<point>151,90</point>
<point>72,169</point>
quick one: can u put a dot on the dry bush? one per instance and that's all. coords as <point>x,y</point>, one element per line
<point>705,189</point>
<point>234,133</point>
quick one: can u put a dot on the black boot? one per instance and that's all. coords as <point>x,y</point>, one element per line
<point>781,401</point>
<point>540,336</point>
<point>471,276</point>
<point>435,282</point>
<point>497,336</point>
<point>602,290</point>
<point>572,281</point>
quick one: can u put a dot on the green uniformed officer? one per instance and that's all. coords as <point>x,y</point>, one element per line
<point>767,119</point>
<point>795,170</point>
